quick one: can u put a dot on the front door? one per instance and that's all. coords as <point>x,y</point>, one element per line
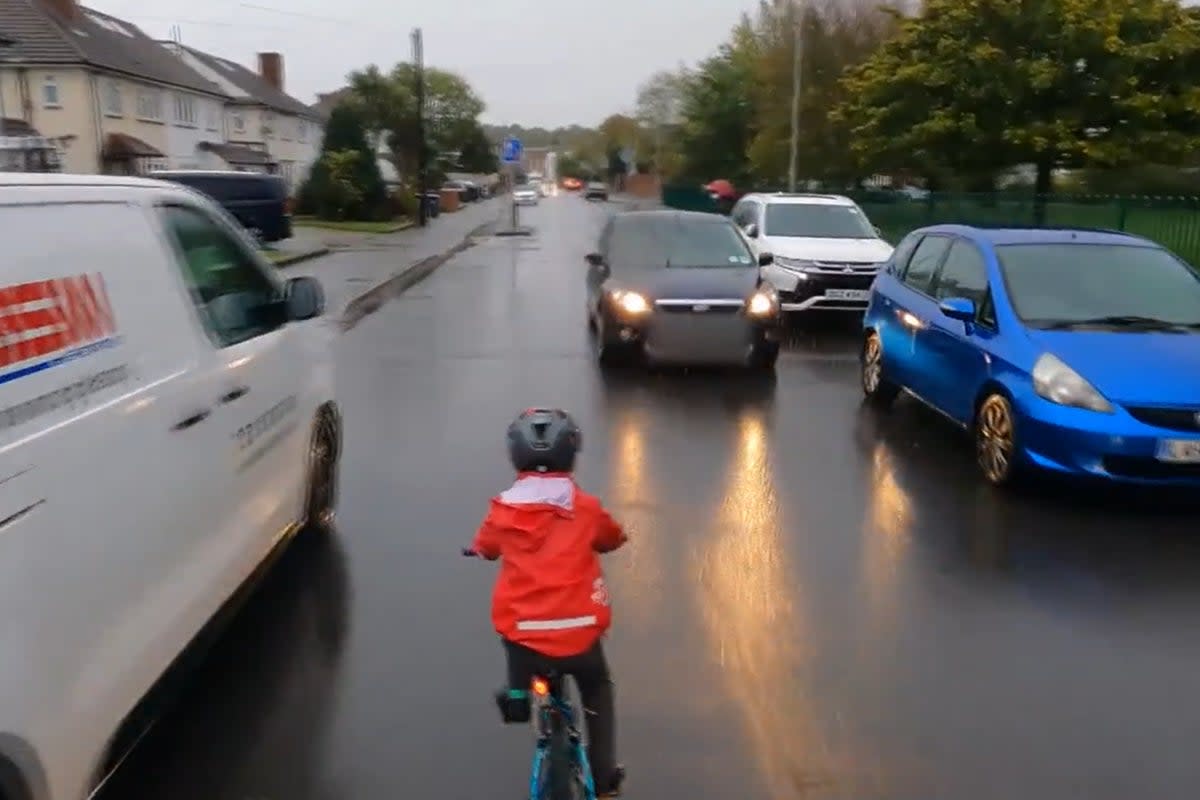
<point>958,351</point>
<point>906,332</point>
<point>256,407</point>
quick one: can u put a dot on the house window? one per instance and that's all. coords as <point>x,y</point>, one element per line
<point>239,123</point>
<point>185,109</point>
<point>268,125</point>
<point>211,116</point>
<point>50,97</point>
<point>112,99</point>
<point>302,130</point>
<point>149,105</point>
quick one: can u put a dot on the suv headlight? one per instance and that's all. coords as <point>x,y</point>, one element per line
<point>630,302</point>
<point>1058,383</point>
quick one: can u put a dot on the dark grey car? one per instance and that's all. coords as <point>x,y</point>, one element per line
<point>680,287</point>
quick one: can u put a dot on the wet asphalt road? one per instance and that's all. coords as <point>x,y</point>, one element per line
<point>817,601</point>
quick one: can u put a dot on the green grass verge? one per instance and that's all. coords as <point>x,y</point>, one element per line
<point>349,226</point>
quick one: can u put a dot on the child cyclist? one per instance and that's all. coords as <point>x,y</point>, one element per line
<point>550,604</point>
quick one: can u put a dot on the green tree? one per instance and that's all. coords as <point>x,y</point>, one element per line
<point>388,104</point>
<point>321,193</point>
<point>832,38</point>
<point>660,110</point>
<point>478,153</point>
<point>718,111</point>
<point>977,86</point>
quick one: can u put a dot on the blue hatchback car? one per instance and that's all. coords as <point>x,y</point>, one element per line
<point>1074,351</point>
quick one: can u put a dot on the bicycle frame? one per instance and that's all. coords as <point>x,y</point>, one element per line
<point>549,707</point>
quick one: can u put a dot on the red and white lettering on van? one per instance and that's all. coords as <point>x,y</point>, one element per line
<point>49,318</point>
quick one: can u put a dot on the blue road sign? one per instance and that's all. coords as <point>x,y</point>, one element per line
<point>511,150</point>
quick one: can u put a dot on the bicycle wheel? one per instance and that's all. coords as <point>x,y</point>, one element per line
<point>561,783</point>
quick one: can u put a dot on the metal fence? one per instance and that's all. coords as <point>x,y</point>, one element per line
<point>1173,222</point>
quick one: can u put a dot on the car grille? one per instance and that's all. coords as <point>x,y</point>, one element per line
<point>1175,419</point>
<point>869,268</point>
<point>1149,468</point>
<point>699,307</point>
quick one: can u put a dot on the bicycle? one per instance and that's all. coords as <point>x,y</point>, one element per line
<point>560,770</point>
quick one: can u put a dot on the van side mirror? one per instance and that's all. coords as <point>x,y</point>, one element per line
<point>752,230</point>
<point>595,259</point>
<point>878,232</point>
<point>766,259</point>
<point>304,299</point>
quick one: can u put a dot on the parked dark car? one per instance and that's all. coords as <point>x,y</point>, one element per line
<point>259,202</point>
<point>680,287</point>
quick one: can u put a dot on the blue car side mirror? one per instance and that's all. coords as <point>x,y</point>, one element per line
<point>959,308</point>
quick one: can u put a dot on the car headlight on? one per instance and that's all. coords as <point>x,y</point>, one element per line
<point>761,304</point>
<point>631,302</point>
<point>1058,383</point>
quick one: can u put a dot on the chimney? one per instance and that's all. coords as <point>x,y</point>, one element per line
<point>66,10</point>
<point>270,67</point>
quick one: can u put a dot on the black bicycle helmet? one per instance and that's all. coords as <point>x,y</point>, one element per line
<point>544,440</point>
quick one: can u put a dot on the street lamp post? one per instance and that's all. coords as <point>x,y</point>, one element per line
<point>796,14</point>
<point>418,57</point>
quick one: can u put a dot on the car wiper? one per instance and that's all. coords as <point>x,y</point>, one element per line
<point>1121,321</point>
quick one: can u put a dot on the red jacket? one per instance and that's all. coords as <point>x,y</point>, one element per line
<point>550,594</point>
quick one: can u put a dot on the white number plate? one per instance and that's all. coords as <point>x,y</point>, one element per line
<point>847,294</point>
<point>1179,451</point>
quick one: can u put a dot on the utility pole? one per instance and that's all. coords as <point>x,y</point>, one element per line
<point>418,57</point>
<point>796,14</point>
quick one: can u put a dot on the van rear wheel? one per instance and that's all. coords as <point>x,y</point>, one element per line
<point>324,451</point>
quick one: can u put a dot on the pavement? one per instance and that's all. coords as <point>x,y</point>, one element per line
<point>818,601</point>
<point>359,262</point>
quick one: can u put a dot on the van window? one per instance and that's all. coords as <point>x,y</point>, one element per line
<point>234,296</point>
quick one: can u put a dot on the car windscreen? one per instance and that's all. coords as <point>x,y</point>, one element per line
<point>817,220</point>
<point>1063,284</point>
<point>668,241</point>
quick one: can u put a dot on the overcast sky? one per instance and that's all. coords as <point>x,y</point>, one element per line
<point>534,62</point>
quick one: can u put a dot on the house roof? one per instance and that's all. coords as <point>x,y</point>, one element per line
<point>328,101</point>
<point>258,91</point>
<point>94,39</point>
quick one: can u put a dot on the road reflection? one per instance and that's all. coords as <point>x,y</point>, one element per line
<point>264,695</point>
<point>758,632</point>
<point>887,534</point>
<point>639,576</point>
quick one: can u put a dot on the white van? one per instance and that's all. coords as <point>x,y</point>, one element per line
<point>167,420</point>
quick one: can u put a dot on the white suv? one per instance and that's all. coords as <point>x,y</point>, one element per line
<point>826,253</point>
<point>167,420</point>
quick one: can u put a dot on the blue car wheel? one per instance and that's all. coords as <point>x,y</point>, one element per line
<point>878,390</point>
<point>996,449</point>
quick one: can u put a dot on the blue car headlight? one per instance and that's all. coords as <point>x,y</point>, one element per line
<point>1053,380</point>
